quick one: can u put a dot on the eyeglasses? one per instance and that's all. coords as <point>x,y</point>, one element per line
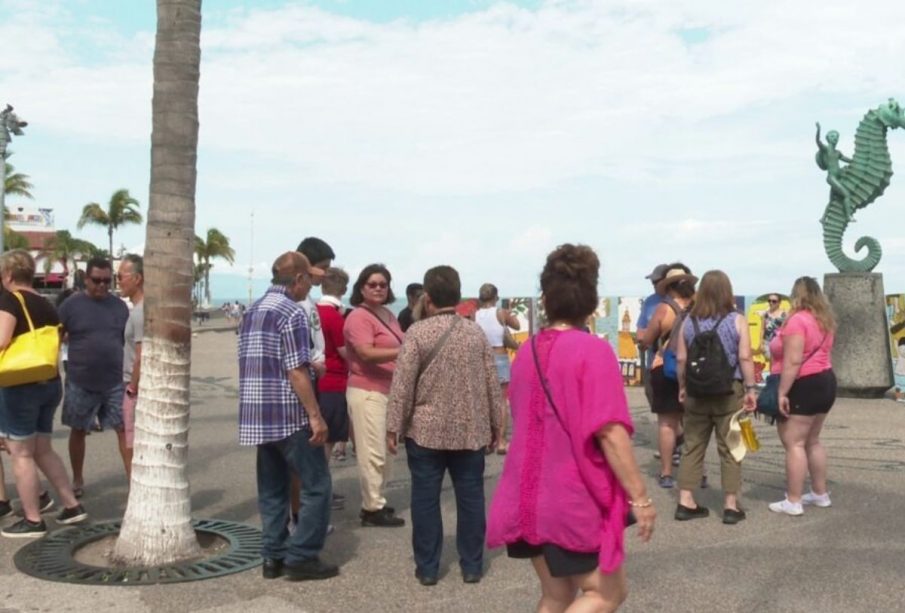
<point>101,280</point>
<point>773,301</point>
<point>377,285</point>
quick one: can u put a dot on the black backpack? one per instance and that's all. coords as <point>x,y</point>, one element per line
<point>707,369</point>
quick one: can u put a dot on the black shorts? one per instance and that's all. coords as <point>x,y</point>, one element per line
<point>813,394</point>
<point>336,416</point>
<point>665,393</point>
<point>561,562</point>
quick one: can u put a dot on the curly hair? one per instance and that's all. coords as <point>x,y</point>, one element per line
<point>569,283</point>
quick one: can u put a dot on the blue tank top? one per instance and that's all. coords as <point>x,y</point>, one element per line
<point>728,336</point>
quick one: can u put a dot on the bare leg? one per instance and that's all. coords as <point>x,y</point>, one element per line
<point>504,443</point>
<point>52,467</point>
<point>599,593</point>
<point>26,473</point>
<point>794,432</point>
<point>557,593</point>
<point>3,496</point>
<point>126,453</point>
<point>816,456</point>
<point>667,426</point>
<point>77,456</point>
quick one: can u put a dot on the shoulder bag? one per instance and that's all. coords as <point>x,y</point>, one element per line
<point>385,324</point>
<point>32,356</point>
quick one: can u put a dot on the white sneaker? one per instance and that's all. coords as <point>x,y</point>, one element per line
<point>789,508</point>
<point>818,500</point>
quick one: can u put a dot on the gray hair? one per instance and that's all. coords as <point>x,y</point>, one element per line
<point>138,263</point>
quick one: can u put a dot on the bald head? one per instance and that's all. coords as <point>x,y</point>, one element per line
<point>288,266</point>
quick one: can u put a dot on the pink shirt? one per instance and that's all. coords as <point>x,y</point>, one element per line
<point>363,329</point>
<point>556,486</point>
<point>803,323</point>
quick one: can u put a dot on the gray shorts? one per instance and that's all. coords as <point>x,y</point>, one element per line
<point>503,367</point>
<point>81,407</point>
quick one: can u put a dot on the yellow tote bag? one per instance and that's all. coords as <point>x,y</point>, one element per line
<point>30,357</point>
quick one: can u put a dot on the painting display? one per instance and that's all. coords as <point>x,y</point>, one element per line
<point>895,315</point>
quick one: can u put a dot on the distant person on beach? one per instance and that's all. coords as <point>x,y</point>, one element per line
<point>332,386</point>
<point>413,293</point>
<point>94,322</point>
<point>570,479</point>
<point>495,323</point>
<point>445,425</point>
<point>373,338</point>
<point>802,355</point>
<point>279,414</point>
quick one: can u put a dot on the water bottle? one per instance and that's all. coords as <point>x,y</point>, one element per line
<point>749,436</point>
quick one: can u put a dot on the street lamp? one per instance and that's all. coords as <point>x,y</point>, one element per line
<point>9,124</point>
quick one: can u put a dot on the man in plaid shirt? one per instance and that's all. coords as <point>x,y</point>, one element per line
<point>278,412</point>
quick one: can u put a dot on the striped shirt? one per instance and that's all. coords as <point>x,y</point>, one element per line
<point>273,339</point>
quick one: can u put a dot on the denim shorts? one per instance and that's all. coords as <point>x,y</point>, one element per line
<point>81,407</point>
<point>28,410</point>
<point>503,367</point>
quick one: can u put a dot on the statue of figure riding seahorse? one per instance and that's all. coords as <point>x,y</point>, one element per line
<point>856,185</point>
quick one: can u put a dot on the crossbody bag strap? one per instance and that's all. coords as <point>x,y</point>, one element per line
<point>816,349</point>
<point>439,345</point>
<point>543,382</point>
<point>21,299</point>
<point>385,324</point>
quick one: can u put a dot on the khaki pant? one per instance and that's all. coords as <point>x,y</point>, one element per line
<point>702,417</point>
<point>368,411</point>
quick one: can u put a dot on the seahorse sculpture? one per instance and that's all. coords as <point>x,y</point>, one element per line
<point>856,185</point>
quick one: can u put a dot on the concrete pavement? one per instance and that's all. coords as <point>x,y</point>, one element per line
<point>850,557</point>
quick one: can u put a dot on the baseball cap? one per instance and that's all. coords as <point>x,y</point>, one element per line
<point>658,273</point>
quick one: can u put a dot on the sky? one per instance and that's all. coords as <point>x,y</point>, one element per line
<point>476,133</point>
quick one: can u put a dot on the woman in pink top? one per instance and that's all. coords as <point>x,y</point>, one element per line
<point>570,478</point>
<point>807,390</point>
<point>373,338</point>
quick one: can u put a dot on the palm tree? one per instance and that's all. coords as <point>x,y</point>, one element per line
<point>65,248</point>
<point>216,246</point>
<point>13,240</point>
<point>157,528</point>
<point>16,183</point>
<point>121,210</point>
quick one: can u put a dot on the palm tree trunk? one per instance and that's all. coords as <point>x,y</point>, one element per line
<point>110,241</point>
<point>157,527</point>
<point>207,284</point>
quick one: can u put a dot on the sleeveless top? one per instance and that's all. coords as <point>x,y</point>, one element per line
<point>487,319</point>
<point>727,332</point>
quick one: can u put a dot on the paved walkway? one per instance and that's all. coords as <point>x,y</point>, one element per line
<point>847,558</point>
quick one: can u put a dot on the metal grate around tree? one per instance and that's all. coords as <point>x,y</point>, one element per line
<point>51,558</point>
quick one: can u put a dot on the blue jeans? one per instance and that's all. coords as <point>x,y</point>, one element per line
<point>466,468</point>
<point>275,462</point>
<point>27,410</point>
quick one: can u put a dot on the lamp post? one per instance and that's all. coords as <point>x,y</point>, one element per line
<point>9,125</point>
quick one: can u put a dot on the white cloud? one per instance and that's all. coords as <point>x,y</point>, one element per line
<point>590,119</point>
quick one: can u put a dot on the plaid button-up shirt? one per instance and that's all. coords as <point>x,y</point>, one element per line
<point>273,339</point>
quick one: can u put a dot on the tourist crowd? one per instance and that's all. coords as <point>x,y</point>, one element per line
<point>316,375</point>
<point>441,385</point>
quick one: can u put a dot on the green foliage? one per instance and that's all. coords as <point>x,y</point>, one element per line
<point>216,246</point>
<point>13,240</point>
<point>65,248</point>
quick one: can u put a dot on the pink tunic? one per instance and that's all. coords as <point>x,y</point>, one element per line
<point>817,344</point>
<point>556,486</point>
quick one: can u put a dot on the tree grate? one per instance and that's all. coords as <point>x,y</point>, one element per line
<point>51,558</point>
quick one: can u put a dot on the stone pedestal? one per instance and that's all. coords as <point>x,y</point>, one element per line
<point>861,355</point>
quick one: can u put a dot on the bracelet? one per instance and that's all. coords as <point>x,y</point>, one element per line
<point>641,505</point>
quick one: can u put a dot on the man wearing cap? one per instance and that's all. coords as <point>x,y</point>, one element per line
<point>647,311</point>
<point>279,414</point>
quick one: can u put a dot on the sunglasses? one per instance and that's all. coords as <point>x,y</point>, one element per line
<point>771,301</point>
<point>101,280</point>
<point>378,285</point>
